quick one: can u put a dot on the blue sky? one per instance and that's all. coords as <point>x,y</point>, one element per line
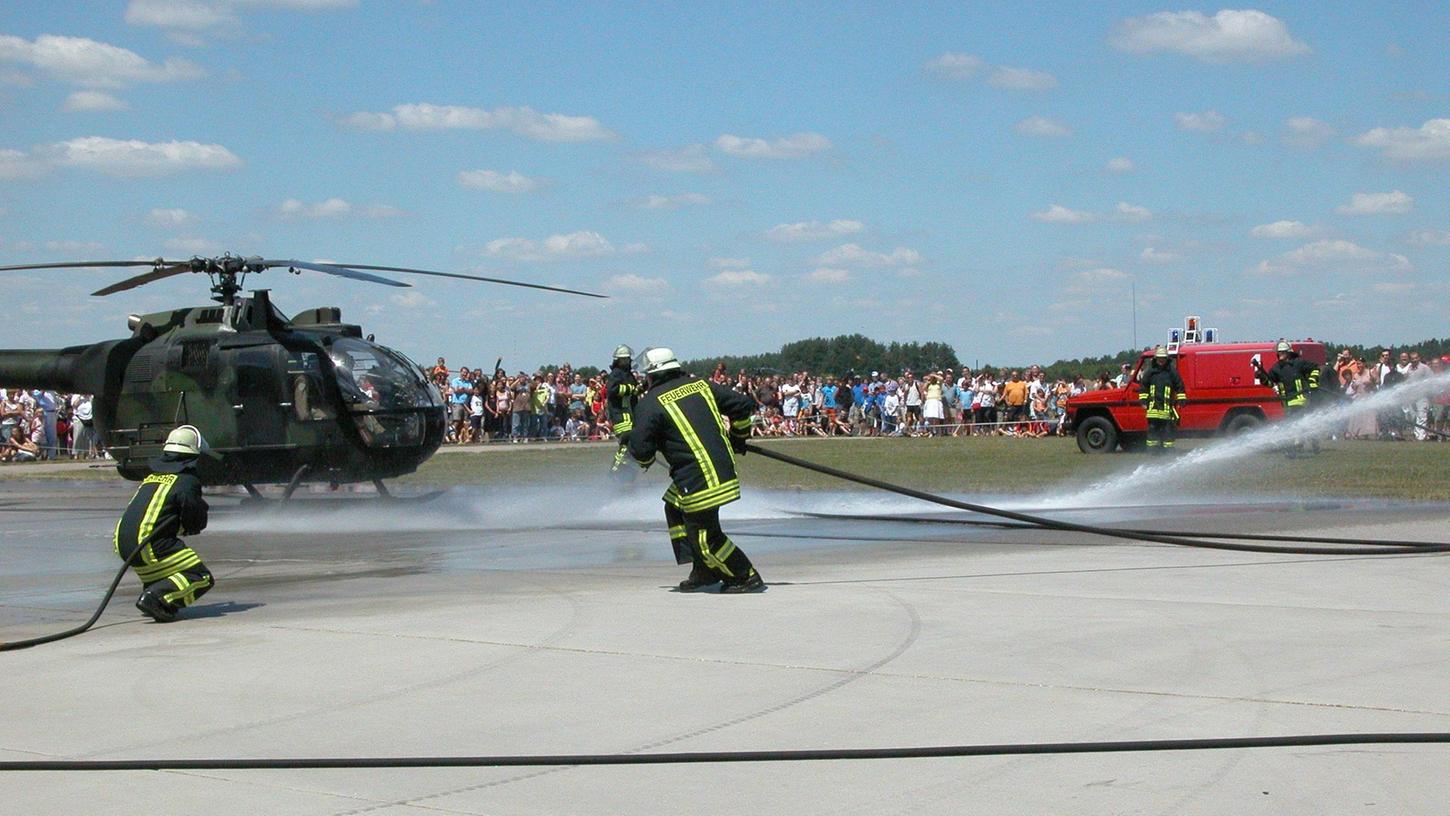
<point>997,176</point>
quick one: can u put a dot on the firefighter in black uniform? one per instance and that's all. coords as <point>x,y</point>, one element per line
<point>168,504</point>
<point>621,391</point>
<point>1296,379</point>
<point>1162,395</point>
<point>697,426</point>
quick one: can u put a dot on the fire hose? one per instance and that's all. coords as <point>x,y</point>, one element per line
<point>106,600</point>
<point>1360,546</point>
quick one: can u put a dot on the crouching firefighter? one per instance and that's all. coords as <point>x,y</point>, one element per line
<point>168,504</point>
<point>680,417</point>
<point>1295,379</point>
<point>621,391</point>
<point>1161,395</point>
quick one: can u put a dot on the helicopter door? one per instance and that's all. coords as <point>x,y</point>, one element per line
<point>261,414</point>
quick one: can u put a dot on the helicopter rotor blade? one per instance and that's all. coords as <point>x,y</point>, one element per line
<point>160,272</point>
<point>340,270</point>
<point>84,264</point>
<point>461,276</point>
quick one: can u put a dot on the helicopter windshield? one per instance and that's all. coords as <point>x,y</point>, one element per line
<point>383,391</point>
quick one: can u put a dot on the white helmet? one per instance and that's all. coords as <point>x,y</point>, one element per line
<point>622,352</point>
<point>185,440</point>
<point>657,361</point>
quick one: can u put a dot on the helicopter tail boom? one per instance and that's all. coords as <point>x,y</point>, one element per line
<point>64,370</point>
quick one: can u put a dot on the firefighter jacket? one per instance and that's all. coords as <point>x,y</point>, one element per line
<point>621,392</point>
<point>681,418</point>
<point>1162,392</point>
<point>1294,378</point>
<point>167,505</point>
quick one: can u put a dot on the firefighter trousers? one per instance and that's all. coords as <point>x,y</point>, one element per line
<point>173,571</point>
<point>697,539</point>
<point>1161,433</point>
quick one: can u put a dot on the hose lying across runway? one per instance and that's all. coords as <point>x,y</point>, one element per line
<point>36,641</point>
<point>1353,546</point>
<point>683,758</point>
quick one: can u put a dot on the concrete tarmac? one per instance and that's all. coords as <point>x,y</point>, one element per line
<point>478,625</point>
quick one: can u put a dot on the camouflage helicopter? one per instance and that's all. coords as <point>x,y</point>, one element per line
<point>280,400</point>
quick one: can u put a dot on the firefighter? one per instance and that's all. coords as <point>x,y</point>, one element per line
<point>621,392</point>
<point>168,504</point>
<point>680,417</point>
<point>1296,380</point>
<point>1162,395</point>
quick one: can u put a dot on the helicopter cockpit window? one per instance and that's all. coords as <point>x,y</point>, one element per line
<point>304,371</point>
<point>382,391</point>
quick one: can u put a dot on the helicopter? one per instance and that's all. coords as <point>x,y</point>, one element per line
<point>280,400</point>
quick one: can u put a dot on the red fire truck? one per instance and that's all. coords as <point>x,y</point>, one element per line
<point>1218,378</point>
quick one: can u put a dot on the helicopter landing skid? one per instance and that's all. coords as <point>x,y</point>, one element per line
<point>255,496</point>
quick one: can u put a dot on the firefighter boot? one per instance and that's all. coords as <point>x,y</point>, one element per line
<point>159,610</point>
<point>699,578</point>
<point>751,583</point>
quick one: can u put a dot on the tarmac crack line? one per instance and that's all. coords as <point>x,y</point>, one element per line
<point>863,672</point>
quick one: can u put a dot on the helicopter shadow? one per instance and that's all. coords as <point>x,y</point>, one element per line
<point>219,610</point>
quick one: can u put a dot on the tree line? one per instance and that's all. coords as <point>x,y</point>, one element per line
<point>857,354</point>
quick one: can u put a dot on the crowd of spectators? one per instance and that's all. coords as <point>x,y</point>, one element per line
<point>563,404</point>
<point>45,425</point>
<point>1424,418</point>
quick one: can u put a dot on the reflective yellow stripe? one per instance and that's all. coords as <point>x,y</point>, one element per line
<point>712,560</point>
<point>697,447</point>
<point>741,424</point>
<point>704,500</point>
<point>186,590</point>
<point>624,425</point>
<point>178,561</point>
<point>158,501</point>
<point>677,532</point>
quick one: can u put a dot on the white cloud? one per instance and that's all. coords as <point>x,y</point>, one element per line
<point>1153,255</point>
<point>1206,122</point>
<point>16,79</point>
<point>812,231</point>
<point>673,202</point>
<point>738,277</point>
<point>93,101</point>
<point>412,299</point>
<point>1093,277</point>
<point>84,61</point>
<point>1306,132</point>
<point>525,121</point>
<point>1430,141</point>
<point>510,182</point>
<point>955,66</point>
<point>1042,126</point>
<point>794,146</point>
<point>1335,255</point>
<point>730,263</point>
<point>827,274</point>
<point>855,256</point>
<point>187,20</point>
<point>637,284</point>
<point>1391,203</point>
<point>1228,36</point>
<point>1431,237</point>
<point>1058,214</point>
<point>1120,164</point>
<point>1022,79</point>
<point>170,218</point>
<point>334,208</point>
<point>1284,229</point>
<point>134,158</point>
<point>1131,212</point>
<point>693,158</point>
<point>572,246</point>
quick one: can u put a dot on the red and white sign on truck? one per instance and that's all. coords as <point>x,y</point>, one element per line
<point>1218,379</point>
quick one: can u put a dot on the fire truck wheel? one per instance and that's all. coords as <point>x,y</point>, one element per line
<point>1097,435</point>
<point>1243,423</point>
